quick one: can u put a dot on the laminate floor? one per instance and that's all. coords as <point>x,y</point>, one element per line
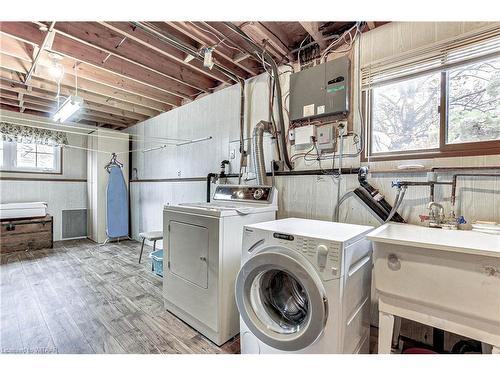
<point>82,298</point>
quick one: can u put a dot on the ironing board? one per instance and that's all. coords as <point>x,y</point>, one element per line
<point>116,204</point>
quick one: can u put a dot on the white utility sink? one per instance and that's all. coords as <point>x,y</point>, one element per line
<point>448,279</point>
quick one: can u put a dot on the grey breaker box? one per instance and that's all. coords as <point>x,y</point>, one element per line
<point>320,91</point>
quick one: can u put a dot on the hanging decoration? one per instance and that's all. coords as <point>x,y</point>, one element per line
<point>32,135</point>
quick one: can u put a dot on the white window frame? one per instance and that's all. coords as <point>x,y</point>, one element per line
<point>10,161</point>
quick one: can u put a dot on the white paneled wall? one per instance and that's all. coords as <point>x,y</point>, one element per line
<point>301,196</point>
<point>59,195</point>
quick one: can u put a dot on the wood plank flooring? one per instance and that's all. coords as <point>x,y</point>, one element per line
<point>81,298</point>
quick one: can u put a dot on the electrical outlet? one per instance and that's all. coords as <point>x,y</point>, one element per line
<point>179,173</point>
<point>232,154</point>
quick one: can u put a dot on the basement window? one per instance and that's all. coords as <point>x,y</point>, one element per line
<point>451,111</point>
<point>30,158</point>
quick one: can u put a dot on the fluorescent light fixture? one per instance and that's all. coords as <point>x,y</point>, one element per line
<point>188,58</point>
<point>70,106</point>
<point>208,61</point>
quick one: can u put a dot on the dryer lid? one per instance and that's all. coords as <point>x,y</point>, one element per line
<point>281,299</point>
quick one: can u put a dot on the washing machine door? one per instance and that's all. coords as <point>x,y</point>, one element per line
<point>281,299</point>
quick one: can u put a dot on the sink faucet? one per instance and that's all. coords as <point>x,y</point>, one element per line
<point>436,220</point>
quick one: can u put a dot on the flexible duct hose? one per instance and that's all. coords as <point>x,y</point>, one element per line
<point>281,121</point>
<point>399,199</point>
<point>258,150</point>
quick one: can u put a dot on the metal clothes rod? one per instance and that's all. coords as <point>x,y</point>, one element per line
<point>178,144</point>
<point>84,130</point>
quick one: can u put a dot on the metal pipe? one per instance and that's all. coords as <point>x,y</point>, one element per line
<point>243,152</point>
<point>341,152</point>
<point>274,68</point>
<point>456,176</point>
<point>194,141</point>
<point>258,150</point>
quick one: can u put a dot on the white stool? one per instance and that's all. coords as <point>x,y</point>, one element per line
<point>150,236</point>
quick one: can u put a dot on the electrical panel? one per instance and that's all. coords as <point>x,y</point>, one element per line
<point>320,91</point>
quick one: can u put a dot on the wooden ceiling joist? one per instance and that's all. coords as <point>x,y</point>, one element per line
<point>131,57</point>
<point>68,80</point>
<point>139,36</point>
<point>312,29</point>
<point>38,94</point>
<point>95,55</point>
<point>130,71</point>
<point>222,53</point>
<point>10,78</point>
<point>10,46</point>
<point>83,114</point>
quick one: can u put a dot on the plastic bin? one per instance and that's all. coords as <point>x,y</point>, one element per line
<point>157,262</point>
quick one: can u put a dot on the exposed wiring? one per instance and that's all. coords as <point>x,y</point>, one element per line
<point>220,41</point>
<point>342,38</point>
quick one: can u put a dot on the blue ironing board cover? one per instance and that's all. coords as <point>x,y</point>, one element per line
<point>116,204</point>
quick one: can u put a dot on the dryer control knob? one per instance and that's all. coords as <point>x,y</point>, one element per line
<point>322,253</point>
<point>258,194</point>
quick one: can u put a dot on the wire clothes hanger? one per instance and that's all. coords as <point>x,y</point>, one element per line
<point>112,162</point>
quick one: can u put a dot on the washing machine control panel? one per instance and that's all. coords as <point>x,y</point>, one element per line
<point>324,255</point>
<point>254,194</point>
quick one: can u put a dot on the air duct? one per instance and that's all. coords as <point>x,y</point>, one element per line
<point>258,150</point>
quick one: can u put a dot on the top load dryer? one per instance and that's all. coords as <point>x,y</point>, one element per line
<point>202,255</point>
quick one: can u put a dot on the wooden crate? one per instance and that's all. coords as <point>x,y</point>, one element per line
<point>26,234</point>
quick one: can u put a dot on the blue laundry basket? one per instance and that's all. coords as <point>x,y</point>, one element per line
<point>157,262</point>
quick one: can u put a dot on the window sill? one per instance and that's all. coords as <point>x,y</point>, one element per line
<point>32,172</point>
<point>426,154</point>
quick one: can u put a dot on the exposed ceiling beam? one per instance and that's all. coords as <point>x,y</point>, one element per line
<point>167,50</point>
<point>264,37</point>
<point>10,78</point>
<point>52,105</point>
<point>17,65</point>
<point>83,114</point>
<point>10,46</point>
<point>194,31</point>
<point>370,25</point>
<point>41,48</point>
<point>312,29</point>
<point>35,93</point>
<point>131,58</point>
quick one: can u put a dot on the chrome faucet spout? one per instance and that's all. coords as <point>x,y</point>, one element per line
<point>440,218</point>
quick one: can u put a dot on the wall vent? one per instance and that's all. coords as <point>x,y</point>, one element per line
<point>74,223</point>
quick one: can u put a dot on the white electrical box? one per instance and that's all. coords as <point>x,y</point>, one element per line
<point>304,136</point>
<point>325,138</point>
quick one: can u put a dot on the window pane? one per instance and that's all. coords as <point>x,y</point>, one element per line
<point>45,161</point>
<point>45,156</point>
<point>474,102</point>
<point>26,156</point>
<point>405,115</point>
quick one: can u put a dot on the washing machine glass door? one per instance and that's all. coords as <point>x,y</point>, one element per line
<point>281,299</point>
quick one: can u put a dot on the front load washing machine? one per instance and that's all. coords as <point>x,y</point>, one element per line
<point>304,287</point>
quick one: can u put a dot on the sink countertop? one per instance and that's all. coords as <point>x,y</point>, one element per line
<point>462,241</point>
